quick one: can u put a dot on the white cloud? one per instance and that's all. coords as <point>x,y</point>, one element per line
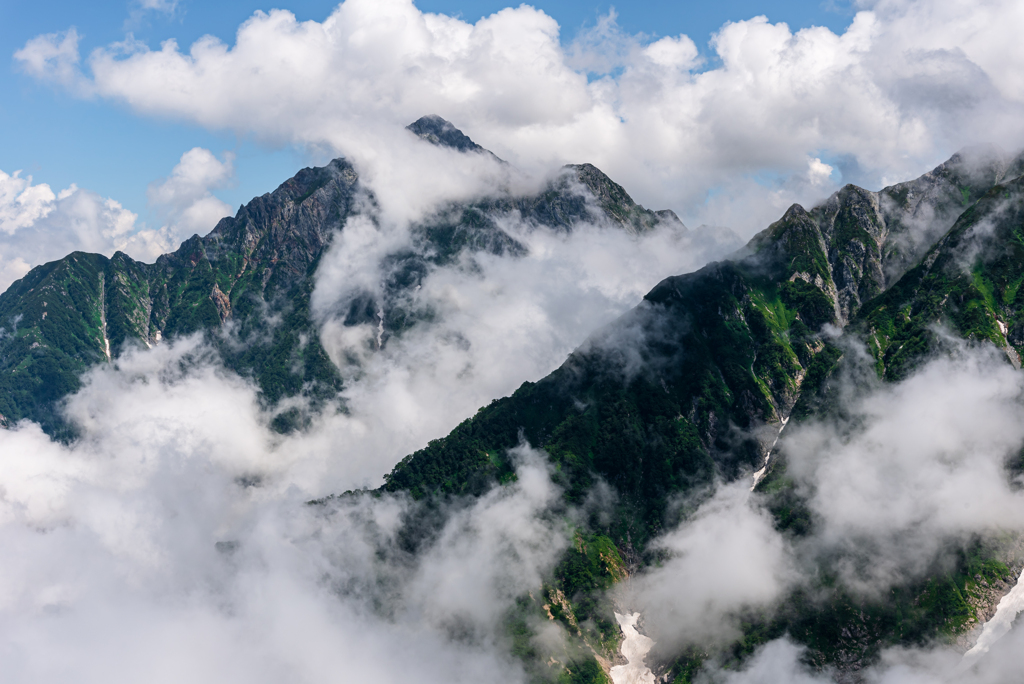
<point>21,203</point>
<point>983,32</point>
<point>724,558</point>
<point>905,85</point>
<point>818,172</point>
<point>920,465</point>
<point>37,225</point>
<point>167,6</point>
<point>184,199</point>
<point>54,57</point>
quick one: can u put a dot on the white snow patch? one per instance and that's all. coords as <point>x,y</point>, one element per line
<point>380,328</point>
<point>634,647</point>
<point>759,475</point>
<point>1008,608</point>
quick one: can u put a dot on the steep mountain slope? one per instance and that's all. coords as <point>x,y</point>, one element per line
<point>719,354</point>
<point>697,381</point>
<point>249,268</point>
<point>248,283</point>
<point>967,284</point>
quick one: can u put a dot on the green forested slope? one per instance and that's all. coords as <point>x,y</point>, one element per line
<point>968,284</point>
<point>694,384</point>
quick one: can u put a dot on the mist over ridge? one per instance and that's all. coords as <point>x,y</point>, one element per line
<point>433,412</point>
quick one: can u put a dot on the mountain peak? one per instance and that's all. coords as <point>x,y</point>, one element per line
<point>443,133</point>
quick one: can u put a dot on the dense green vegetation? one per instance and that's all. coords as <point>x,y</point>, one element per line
<point>46,341</point>
<point>845,630</point>
<point>969,284</point>
<point>246,287</point>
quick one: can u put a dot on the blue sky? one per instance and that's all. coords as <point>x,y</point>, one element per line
<point>60,139</point>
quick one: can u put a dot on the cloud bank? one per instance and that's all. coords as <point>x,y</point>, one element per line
<point>173,542</point>
<point>776,117</point>
<point>38,225</point>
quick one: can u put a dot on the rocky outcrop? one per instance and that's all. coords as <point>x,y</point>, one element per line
<point>437,131</point>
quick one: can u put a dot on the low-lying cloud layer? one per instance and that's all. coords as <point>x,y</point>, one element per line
<point>173,542</point>
<point>916,465</point>
<point>177,525</point>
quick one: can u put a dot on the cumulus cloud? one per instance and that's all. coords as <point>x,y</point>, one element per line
<point>184,199</point>
<point>38,225</point>
<point>901,88</point>
<point>21,203</point>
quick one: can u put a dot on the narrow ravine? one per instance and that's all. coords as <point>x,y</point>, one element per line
<point>634,647</point>
<point>759,475</point>
<point>103,317</point>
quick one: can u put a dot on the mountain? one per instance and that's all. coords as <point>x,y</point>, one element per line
<point>689,389</point>
<point>247,284</point>
<point>969,281</point>
<point>697,382</point>
<point>731,344</point>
